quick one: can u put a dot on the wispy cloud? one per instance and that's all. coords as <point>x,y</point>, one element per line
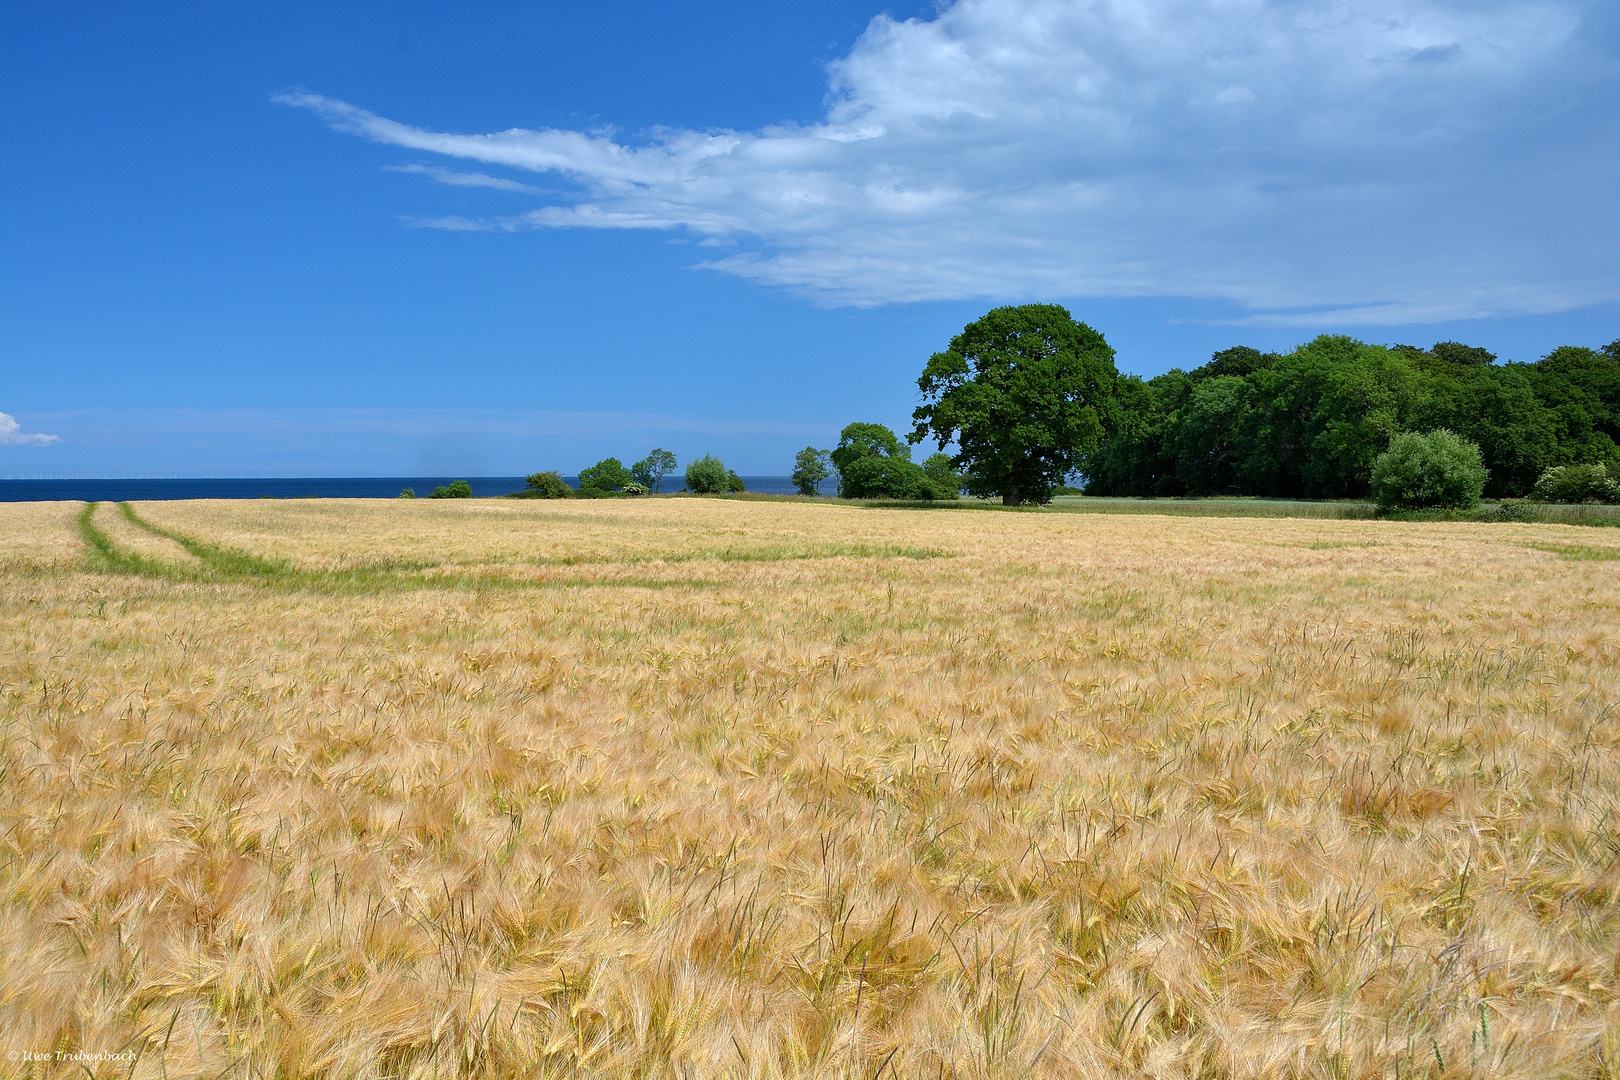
<point>1393,160</point>
<point>12,434</point>
<point>466,179</point>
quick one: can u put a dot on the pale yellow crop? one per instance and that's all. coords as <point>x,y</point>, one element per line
<point>705,788</point>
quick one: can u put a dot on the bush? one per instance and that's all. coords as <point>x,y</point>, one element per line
<point>609,474</point>
<point>1578,484</point>
<point>636,487</point>
<point>886,478</point>
<point>1434,470</point>
<point>404,493</point>
<point>708,475</point>
<point>943,476</point>
<point>458,489</point>
<point>547,485</point>
<point>734,482</point>
<point>873,463</point>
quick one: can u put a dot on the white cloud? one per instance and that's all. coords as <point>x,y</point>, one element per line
<point>12,434</point>
<point>1316,161</point>
<point>465,179</point>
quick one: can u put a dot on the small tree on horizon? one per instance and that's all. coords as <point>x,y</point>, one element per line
<point>652,469</point>
<point>810,468</point>
<point>941,472</point>
<point>609,474</point>
<point>873,463</point>
<point>707,475</point>
<point>549,484</point>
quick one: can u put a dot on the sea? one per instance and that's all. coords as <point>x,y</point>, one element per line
<point>293,487</point>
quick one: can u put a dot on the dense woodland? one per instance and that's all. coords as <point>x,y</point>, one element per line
<point>1309,424</point>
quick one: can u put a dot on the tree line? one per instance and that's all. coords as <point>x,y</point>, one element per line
<point>1028,400</point>
<point>1031,399</point>
<point>1311,423</point>
<point>610,477</point>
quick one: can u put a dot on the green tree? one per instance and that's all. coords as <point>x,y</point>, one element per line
<point>942,474</point>
<point>873,463</point>
<point>548,485</point>
<point>1437,469</point>
<point>609,474</point>
<point>707,475</point>
<point>1140,458</point>
<point>456,489</point>
<point>734,482</point>
<point>1311,423</point>
<point>1028,395</point>
<point>810,468</point>
<point>1210,435</point>
<point>652,469</point>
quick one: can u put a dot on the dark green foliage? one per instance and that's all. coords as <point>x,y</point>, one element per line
<point>1454,352</point>
<point>651,470</point>
<point>734,482</point>
<point>1027,394</point>
<point>1578,484</point>
<point>810,468</point>
<point>873,463</point>
<point>548,485</point>
<point>1438,469</point>
<point>1240,360</point>
<point>1311,423</point>
<point>607,475</point>
<point>404,493</point>
<point>456,489</point>
<point>942,475</point>
<point>707,475</point>
<point>884,478</point>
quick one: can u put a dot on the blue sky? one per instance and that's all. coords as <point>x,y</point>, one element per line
<point>489,238</point>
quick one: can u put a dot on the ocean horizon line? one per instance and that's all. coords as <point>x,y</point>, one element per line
<point>166,488</point>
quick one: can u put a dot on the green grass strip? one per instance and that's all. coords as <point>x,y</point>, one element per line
<point>106,555</point>
<point>1580,552</point>
<point>228,562</point>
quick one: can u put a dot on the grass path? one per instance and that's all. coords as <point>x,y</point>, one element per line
<point>222,563</point>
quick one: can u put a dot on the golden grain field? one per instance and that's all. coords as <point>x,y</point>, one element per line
<point>705,788</point>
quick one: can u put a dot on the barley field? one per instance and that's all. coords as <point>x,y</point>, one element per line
<point>701,788</point>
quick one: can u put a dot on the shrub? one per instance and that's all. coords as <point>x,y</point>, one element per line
<point>734,482</point>
<point>609,474</point>
<point>548,485</point>
<point>635,487</point>
<point>886,478</point>
<point>404,493</point>
<point>708,475</point>
<point>1437,469</point>
<point>873,463</point>
<point>942,474</point>
<point>1578,484</point>
<point>458,489</point>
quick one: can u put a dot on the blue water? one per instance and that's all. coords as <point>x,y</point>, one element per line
<point>283,487</point>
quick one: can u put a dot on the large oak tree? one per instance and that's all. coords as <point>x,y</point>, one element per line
<point>1027,394</point>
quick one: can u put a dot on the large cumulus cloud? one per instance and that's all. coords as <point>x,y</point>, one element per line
<point>1315,161</point>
